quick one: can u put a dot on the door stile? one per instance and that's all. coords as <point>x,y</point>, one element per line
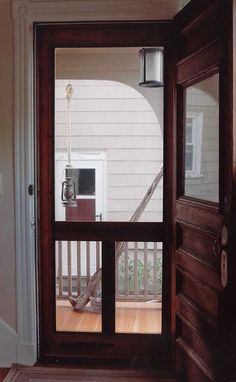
<point>108,287</point>
<point>228,146</point>
<point>169,198</point>
<point>45,183</point>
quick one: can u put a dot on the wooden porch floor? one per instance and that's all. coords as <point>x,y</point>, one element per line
<point>131,317</point>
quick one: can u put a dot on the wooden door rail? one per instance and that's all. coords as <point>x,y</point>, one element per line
<point>108,231</point>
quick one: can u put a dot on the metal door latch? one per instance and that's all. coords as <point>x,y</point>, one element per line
<point>31,189</point>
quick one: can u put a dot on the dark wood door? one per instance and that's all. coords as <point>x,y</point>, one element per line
<point>106,343</point>
<point>199,88</point>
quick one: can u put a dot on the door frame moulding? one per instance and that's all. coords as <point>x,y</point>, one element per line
<point>25,13</point>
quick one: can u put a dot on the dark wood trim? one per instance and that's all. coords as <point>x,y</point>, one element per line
<point>54,345</point>
<point>190,312</point>
<point>205,347</point>
<point>203,296</point>
<point>227,326</point>
<point>106,34</point>
<point>191,366</point>
<point>194,14</point>
<point>169,197</point>
<point>108,287</point>
<point>200,65</point>
<point>199,269</point>
<point>117,349</point>
<point>115,231</point>
<point>200,215</point>
<point>45,152</point>
<point>3,373</point>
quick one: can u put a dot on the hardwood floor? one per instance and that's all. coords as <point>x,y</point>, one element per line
<point>131,317</point>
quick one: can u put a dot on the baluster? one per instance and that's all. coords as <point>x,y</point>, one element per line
<point>88,260</point>
<point>136,292</point>
<point>97,255</point>
<point>145,264</point>
<point>60,275</point>
<point>126,269</point>
<point>78,267</point>
<point>117,289</point>
<point>69,268</point>
<point>154,270</point>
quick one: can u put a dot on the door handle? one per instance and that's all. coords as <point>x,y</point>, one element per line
<point>220,243</point>
<point>221,254</point>
<point>224,268</point>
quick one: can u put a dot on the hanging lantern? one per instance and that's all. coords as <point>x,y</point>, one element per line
<point>68,191</point>
<point>68,195</point>
<point>151,67</point>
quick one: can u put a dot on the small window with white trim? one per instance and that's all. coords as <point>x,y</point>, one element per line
<point>193,144</point>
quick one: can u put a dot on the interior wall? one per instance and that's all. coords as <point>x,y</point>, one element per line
<point>7,240</point>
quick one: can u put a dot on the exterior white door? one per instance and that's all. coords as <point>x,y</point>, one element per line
<point>95,163</point>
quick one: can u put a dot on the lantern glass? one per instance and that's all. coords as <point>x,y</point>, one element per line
<point>151,67</point>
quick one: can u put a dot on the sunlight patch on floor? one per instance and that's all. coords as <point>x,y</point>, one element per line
<point>131,317</point>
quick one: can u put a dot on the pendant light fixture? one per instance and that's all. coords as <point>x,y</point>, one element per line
<point>151,67</point>
<point>68,192</point>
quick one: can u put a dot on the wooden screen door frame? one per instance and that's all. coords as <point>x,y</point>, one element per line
<point>108,344</point>
<point>196,29</point>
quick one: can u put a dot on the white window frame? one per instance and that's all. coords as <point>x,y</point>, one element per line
<point>197,124</point>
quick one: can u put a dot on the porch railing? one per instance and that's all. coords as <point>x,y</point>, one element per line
<point>138,272</point>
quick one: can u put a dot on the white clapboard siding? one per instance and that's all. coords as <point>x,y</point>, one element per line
<point>134,154</point>
<point>105,104</point>
<point>200,99</point>
<point>130,205</point>
<point>111,129</point>
<point>109,142</point>
<point>132,193</point>
<point>208,111</point>
<point>130,180</point>
<point>149,216</point>
<point>101,92</point>
<point>210,129</point>
<point>110,117</point>
<point>125,167</point>
<point>212,166</point>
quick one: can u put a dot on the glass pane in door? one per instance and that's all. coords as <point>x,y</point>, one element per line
<point>201,128</point>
